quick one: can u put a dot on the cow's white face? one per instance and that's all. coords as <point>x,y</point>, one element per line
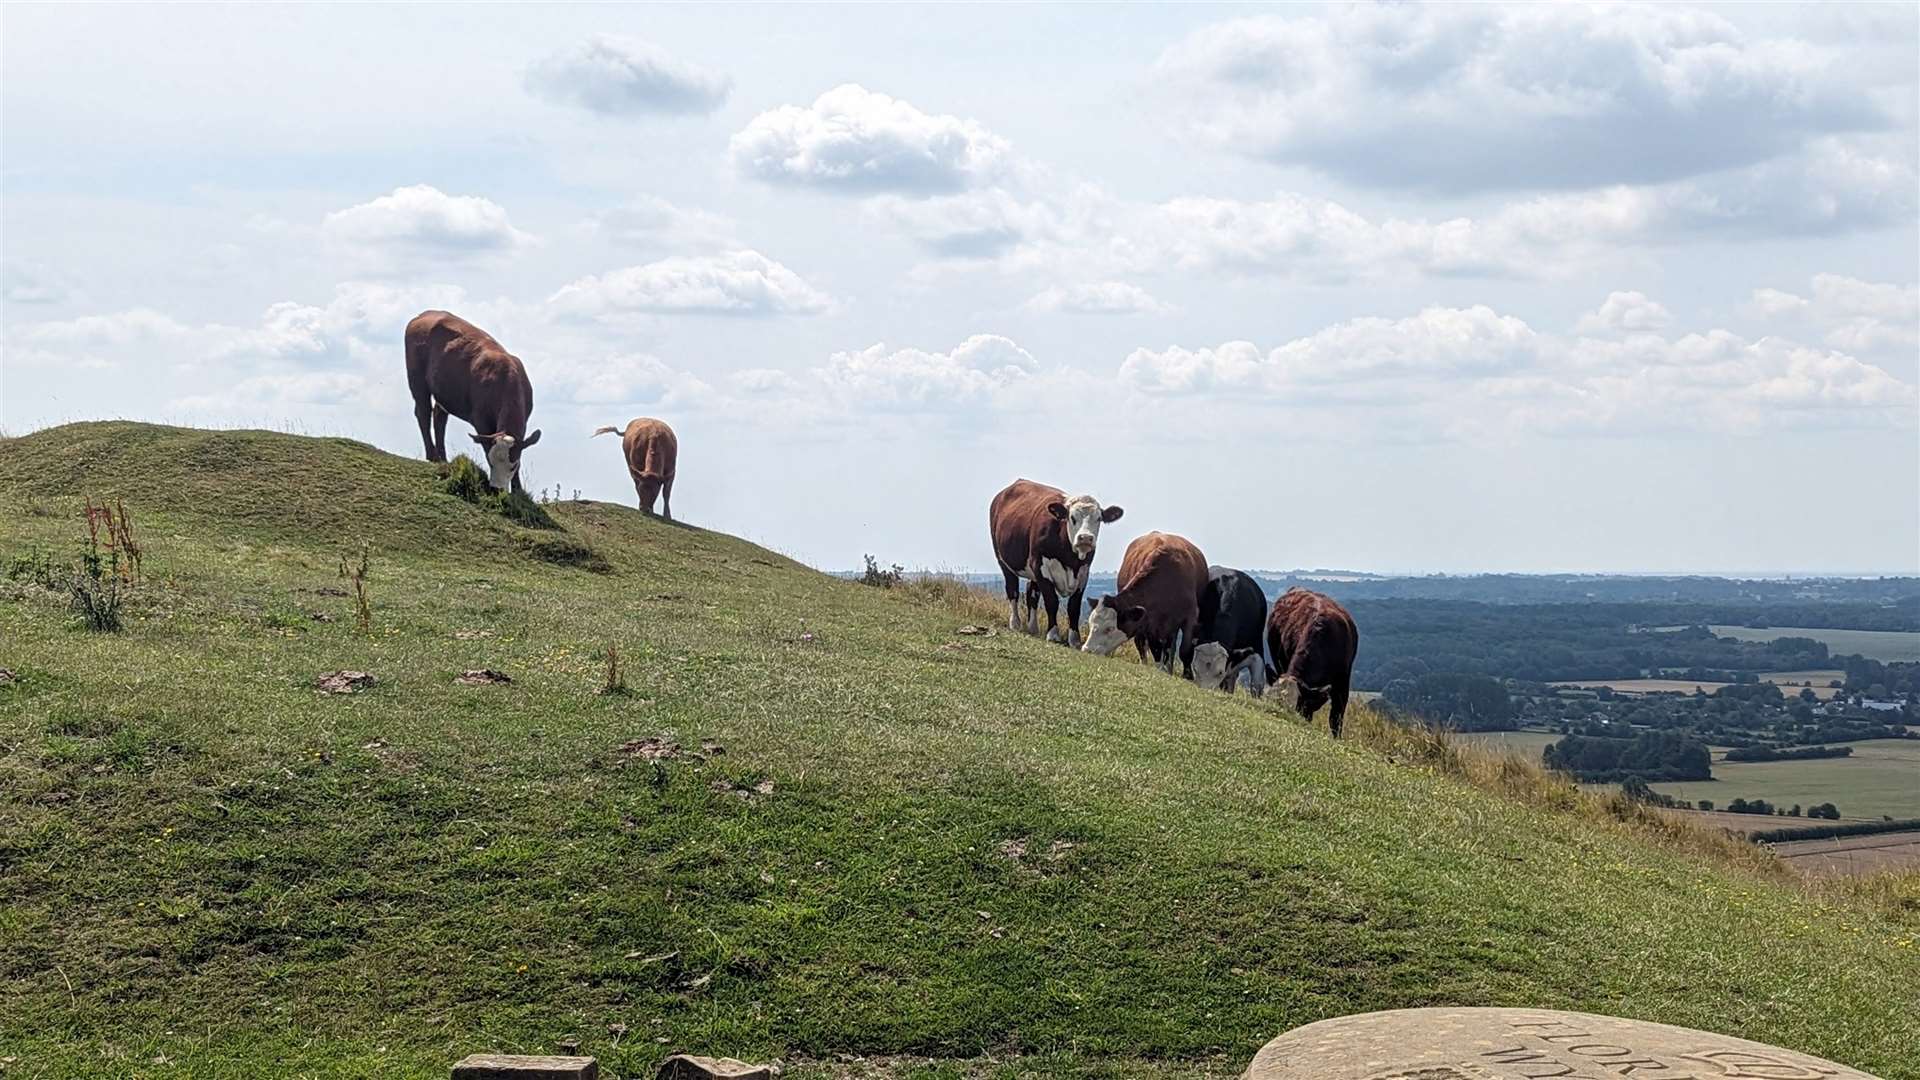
<point>1288,691</point>
<point>1210,666</point>
<point>501,463</point>
<point>1083,526</point>
<point>1103,630</point>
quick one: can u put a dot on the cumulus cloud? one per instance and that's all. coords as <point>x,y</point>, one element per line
<point>1849,314</point>
<point>1625,312</point>
<point>1461,98</point>
<point>423,221</point>
<point>1098,298</point>
<point>976,371</point>
<point>612,75</point>
<point>733,283</point>
<point>636,379</point>
<point>650,221</point>
<point>1296,236</point>
<point>852,140</point>
<point>28,281</point>
<point>1473,372</point>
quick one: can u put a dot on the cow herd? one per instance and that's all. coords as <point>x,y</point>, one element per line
<point>1169,601</point>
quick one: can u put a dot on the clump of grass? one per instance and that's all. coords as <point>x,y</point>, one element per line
<point>564,550</point>
<point>882,577</point>
<point>355,575</point>
<point>109,564</point>
<point>466,480</point>
<point>946,593</point>
<point>37,567</point>
<point>615,682</point>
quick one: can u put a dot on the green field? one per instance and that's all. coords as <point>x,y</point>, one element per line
<point>821,825</point>
<point>1883,645</point>
<point>1881,778</point>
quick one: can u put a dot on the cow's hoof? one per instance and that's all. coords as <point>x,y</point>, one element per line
<point>1073,641</point>
<point>1053,635</point>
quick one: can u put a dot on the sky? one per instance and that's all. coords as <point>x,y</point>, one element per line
<point>1395,288</point>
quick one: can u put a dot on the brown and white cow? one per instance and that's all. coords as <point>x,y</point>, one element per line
<point>1313,642</point>
<point>1158,605</point>
<point>652,453</point>
<point>454,367</point>
<point>1048,539</point>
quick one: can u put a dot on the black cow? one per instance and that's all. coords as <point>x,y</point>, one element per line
<point>1233,624</point>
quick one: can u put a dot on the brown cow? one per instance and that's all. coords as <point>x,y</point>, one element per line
<point>1313,642</point>
<point>1041,535</point>
<point>652,453</point>
<point>455,367</point>
<point>1161,578</point>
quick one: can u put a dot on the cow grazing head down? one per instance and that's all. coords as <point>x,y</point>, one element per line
<point>503,456</point>
<point>1217,668</point>
<point>1108,627</point>
<point>1084,517</point>
<point>1300,697</point>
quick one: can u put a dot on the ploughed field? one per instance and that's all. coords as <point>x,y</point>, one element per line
<point>821,824</point>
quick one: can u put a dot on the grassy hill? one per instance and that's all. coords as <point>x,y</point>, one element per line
<point>948,855</point>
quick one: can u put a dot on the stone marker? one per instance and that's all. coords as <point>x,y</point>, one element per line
<point>520,1067</point>
<point>1523,1044</point>
<point>689,1067</point>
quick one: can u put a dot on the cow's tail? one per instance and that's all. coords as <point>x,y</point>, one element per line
<point>606,431</point>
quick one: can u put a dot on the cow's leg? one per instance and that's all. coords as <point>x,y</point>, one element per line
<point>437,450</point>
<point>1256,676</point>
<point>666,494</point>
<point>1337,705</point>
<point>1188,642</point>
<point>1073,617</point>
<point>423,412</point>
<point>1033,607</point>
<point>1013,598</point>
<point>1050,596</point>
<point>1146,652</point>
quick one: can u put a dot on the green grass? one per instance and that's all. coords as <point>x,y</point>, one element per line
<point>1883,645</point>
<point>1882,777</point>
<point>976,856</point>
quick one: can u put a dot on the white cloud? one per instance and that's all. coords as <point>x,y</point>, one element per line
<point>421,221</point>
<point>1850,314</point>
<point>733,283</point>
<point>636,379</point>
<point>978,371</point>
<point>852,140</point>
<point>28,281</point>
<point>1098,298</point>
<point>1450,372</point>
<point>650,221</point>
<point>1625,312</point>
<point>622,76</point>
<point>287,333</point>
<point>1477,97</point>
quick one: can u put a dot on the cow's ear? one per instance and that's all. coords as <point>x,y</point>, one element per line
<point>483,440</point>
<point>1239,656</point>
<point>1133,616</point>
<point>1058,510</point>
<point>531,439</point>
<point>1111,514</point>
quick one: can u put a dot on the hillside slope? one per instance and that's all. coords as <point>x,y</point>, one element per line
<point>951,855</point>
